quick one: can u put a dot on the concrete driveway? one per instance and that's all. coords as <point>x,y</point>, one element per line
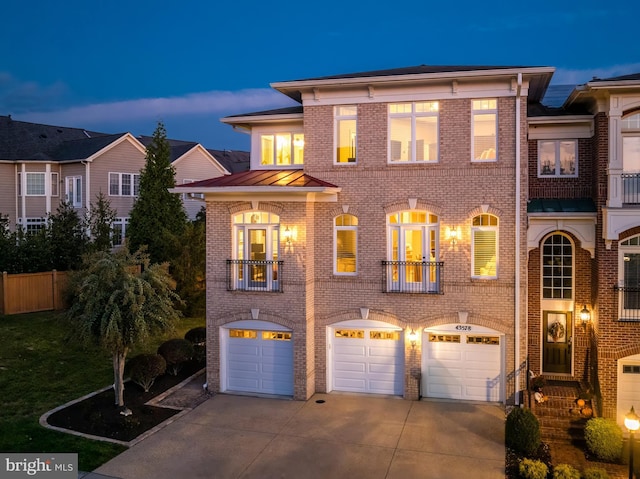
<point>329,436</point>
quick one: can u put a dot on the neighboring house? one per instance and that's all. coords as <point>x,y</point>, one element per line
<point>584,239</point>
<point>378,243</point>
<point>42,166</point>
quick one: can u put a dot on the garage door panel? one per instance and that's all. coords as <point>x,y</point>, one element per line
<point>244,349</point>
<point>243,367</point>
<point>441,371</point>
<point>445,355</point>
<point>372,362</point>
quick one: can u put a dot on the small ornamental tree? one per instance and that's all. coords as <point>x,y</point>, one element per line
<point>175,352</point>
<point>101,219</point>
<point>120,299</point>
<point>68,238</point>
<point>145,368</point>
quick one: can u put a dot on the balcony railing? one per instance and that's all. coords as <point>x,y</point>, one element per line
<point>629,301</point>
<point>246,275</point>
<point>413,277</point>
<point>631,188</point>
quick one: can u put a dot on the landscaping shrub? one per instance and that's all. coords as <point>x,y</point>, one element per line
<point>175,352</point>
<point>533,469</point>
<point>595,473</point>
<point>145,368</point>
<point>565,471</point>
<point>604,439</point>
<point>198,337</point>
<point>522,431</point>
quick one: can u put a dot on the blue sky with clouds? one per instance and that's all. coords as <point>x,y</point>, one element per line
<point>120,65</point>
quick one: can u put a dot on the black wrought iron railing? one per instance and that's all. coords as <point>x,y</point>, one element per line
<point>631,188</point>
<point>247,275</point>
<point>413,277</point>
<point>629,301</point>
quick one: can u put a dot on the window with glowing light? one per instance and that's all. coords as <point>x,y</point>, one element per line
<point>282,149</point>
<point>345,137</point>
<point>484,246</point>
<point>413,132</point>
<point>345,242</point>
<point>484,125</point>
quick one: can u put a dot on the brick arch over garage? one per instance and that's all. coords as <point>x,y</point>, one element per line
<point>433,320</point>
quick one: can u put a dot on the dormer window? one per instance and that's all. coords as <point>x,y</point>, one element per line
<point>282,149</point>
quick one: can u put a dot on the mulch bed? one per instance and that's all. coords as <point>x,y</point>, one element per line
<point>99,416</point>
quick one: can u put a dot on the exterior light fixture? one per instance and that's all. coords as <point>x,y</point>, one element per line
<point>287,236</point>
<point>632,423</point>
<point>585,315</point>
<point>413,337</point>
<point>453,234</point>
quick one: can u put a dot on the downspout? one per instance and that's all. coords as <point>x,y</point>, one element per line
<point>517,240</point>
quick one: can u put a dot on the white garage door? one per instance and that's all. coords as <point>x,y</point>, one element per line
<point>462,362</point>
<point>367,360</point>
<point>628,386</point>
<point>258,361</point>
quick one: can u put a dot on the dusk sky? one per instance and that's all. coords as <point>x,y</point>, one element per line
<point>115,66</point>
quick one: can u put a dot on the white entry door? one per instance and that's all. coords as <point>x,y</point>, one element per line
<point>257,360</point>
<point>367,359</point>
<point>462,361</point>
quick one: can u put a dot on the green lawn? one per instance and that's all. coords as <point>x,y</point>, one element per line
<point>40,370</point>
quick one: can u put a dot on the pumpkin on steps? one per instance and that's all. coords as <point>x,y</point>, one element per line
<point>580,402</point>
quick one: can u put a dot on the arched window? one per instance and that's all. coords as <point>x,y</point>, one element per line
<point>557,267</point>
<point>256,248</point>
<point>345,245</point>
<point>413,252</point>
<point>484,246</point>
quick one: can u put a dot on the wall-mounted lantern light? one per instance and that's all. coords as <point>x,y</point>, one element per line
<point>585,315</point>
<point>453,235</point>
<point>413,337</point>
<point>287,236</point>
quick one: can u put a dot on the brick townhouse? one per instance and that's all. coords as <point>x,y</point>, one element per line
<point>430,232</point>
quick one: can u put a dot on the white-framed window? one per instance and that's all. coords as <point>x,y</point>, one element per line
<point>484,128</point>
<point>413,252</point>
<point>282,149</point>
<point>124,184</point>
<point>119,231</point>
<point>35,183</point>
<point>191,196</point>
<point>413,132</point>
<point>484,246</point>
<point>54,184</point>
<point>256,251</point>
<point>631,143</point>
<point>73,191</point>
<point>33,225</point>
<point>557,267</point>
<point>346,118</point>
<point>558,158</point>
<point>629,277</point>
<point>345,245</point>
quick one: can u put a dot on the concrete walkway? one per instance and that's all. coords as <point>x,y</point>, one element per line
<point>329,436</point>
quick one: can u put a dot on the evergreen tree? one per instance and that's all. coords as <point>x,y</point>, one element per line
<point>68,238</point>
<point>101,219</point>
<point>158,218</point>
<point>119,300</point>
<point>188,269</point>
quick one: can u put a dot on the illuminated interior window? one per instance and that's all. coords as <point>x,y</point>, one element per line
<point>484,247</point>
<point>483,340</point>
<point>390,335</point>
<point>345,244</point>
<point>242,333</point>
<point>484,126</point>
<point>350,333</point>
<point>282,149</point>
<point>444,338</point>
<point>413,132</point>
<point>276,336</point>
<point>346,123</point>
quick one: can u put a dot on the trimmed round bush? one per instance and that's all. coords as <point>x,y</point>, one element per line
<point>522,431</point>
<point>604,439</point>
<point>565,471</point>
<point>175,352</point>
<point>595,473</point>
<point>145,368</point>
<point>196,335</point>
<point>533,469</point>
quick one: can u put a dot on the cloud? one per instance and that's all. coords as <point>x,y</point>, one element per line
<point>19,96</point>
<point>580,76</point>
<point>213,102</point>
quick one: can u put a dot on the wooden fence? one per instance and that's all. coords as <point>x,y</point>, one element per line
<point>30,292</point>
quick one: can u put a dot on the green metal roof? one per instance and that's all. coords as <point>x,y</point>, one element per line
<point>561,205</point>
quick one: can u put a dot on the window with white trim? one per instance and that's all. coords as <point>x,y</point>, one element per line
<point>484,127</point>
<point>282,149</point>
<point>191,196</point>
<point>35,184</point>
<point>345,241</point>
<point>119,231</point>
<point>629,277</point>
<point>73,192</point>
<point>631,143</point>
<point>33,225</point>
<point>558,158</point>
<point>557,267</point>
<point>54,184</point>
<point>256,250</point>
<point>413,132</point>
<point>484,246</point>
<point>124,184</point>
<point>345,136</point>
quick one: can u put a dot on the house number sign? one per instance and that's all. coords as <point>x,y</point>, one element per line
<point>463,327</point>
